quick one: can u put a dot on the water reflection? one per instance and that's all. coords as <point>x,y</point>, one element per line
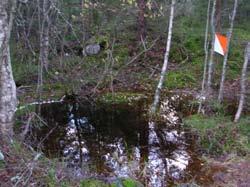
<point>118,142</point>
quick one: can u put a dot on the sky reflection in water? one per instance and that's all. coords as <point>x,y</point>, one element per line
<point>117,142</point>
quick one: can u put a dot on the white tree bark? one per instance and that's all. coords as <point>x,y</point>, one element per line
<point>206,45</point>
<point>44,34</point>
<point>243,83</point>
<point>165,64</point>
<point>229,35</point>
<point>211,60</point>
<point>8,99</point>
<point>44,41</point>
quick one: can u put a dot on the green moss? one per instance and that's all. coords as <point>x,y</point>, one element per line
<point>131,183</point>
<point>120,97</point>
<point>218,134</point>
<point>93,183</point>
<point>51,178</point>
<point>118,183</point>
<point>24,72</point>
<point>126,183</point>
<point>179,79</point>
<point>16,146</point>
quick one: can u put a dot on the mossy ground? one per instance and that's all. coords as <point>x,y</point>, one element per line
<point>218,135</point>
<point>118,183</point>
<point>120,98</point>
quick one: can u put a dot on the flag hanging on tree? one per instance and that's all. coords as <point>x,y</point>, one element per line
<point>220,44</point>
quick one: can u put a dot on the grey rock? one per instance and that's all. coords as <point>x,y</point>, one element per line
<point>1,156</point>
<point>92,49</point>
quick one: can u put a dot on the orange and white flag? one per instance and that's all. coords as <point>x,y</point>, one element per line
<point>220,44</point>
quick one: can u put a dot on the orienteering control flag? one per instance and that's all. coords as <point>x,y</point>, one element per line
<point>220,44</point>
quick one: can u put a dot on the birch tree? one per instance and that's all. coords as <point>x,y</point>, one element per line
<point>206,45</point>
<point>165,64</point>
<point>7,85</point>
<point>43,16</point>
<point>229,35</point>
<point>211,60</point>
<point>44,33</point>
<point>141,19</point>
<point>243,83</point>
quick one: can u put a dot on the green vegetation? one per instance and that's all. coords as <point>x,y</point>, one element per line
<point>120,98</point>
<point>178,80</point>
<point>24,73</point>
<point>127,183</point>
<point>119,183</point>
<point>93,183</point>
<point>219,135</point>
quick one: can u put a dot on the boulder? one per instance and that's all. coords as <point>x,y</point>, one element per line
<point>1,156</point>
<point>92,49</point>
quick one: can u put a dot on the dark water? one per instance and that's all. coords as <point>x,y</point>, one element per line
<point>111,141</point>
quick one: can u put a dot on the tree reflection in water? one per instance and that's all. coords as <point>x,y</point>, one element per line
<point>120,142</point>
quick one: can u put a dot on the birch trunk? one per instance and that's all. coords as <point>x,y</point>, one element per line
<point>8,99</point>
<point>83,22</point>
<point>206,44</point>
<point>243,83</point>
<point>165,64</point>
<point>141,19</point>
<point>44,34</point>
<point>44,42</point>
<point>229,36</point>
<point>211,60</point>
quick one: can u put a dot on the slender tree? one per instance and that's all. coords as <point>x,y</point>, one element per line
<point>43,15</point>
<point>229,35</point>
<point>206,45</point>
<point>165,64</point>
<point>218,16</point>
<point>44,33</point>
<point>8,99</point>
<point>141,19</point>
<point>243,83</point>
<point>211,60</point>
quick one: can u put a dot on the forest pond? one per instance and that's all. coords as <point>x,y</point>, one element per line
<point>110,141</point>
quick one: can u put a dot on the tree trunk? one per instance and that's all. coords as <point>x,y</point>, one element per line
<point>83,22</point>
<point>218,16</point>
<point>229,35</point>
<point>243,83</point>
<point>44,34</point>
<point>165,64</point>
<point>211,61</point>
<point>8,99</point>
<point>44,41</point>
<point>141,19</point>
<point>206,45</point>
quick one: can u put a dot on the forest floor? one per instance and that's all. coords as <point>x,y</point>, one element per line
<point>234,171</point>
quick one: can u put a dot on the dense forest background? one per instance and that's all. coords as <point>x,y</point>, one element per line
<point>117,26</point>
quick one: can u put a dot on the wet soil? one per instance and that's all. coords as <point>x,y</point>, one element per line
<point>234,172</point>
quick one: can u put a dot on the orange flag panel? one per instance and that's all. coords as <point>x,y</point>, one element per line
<point>223,41</point>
